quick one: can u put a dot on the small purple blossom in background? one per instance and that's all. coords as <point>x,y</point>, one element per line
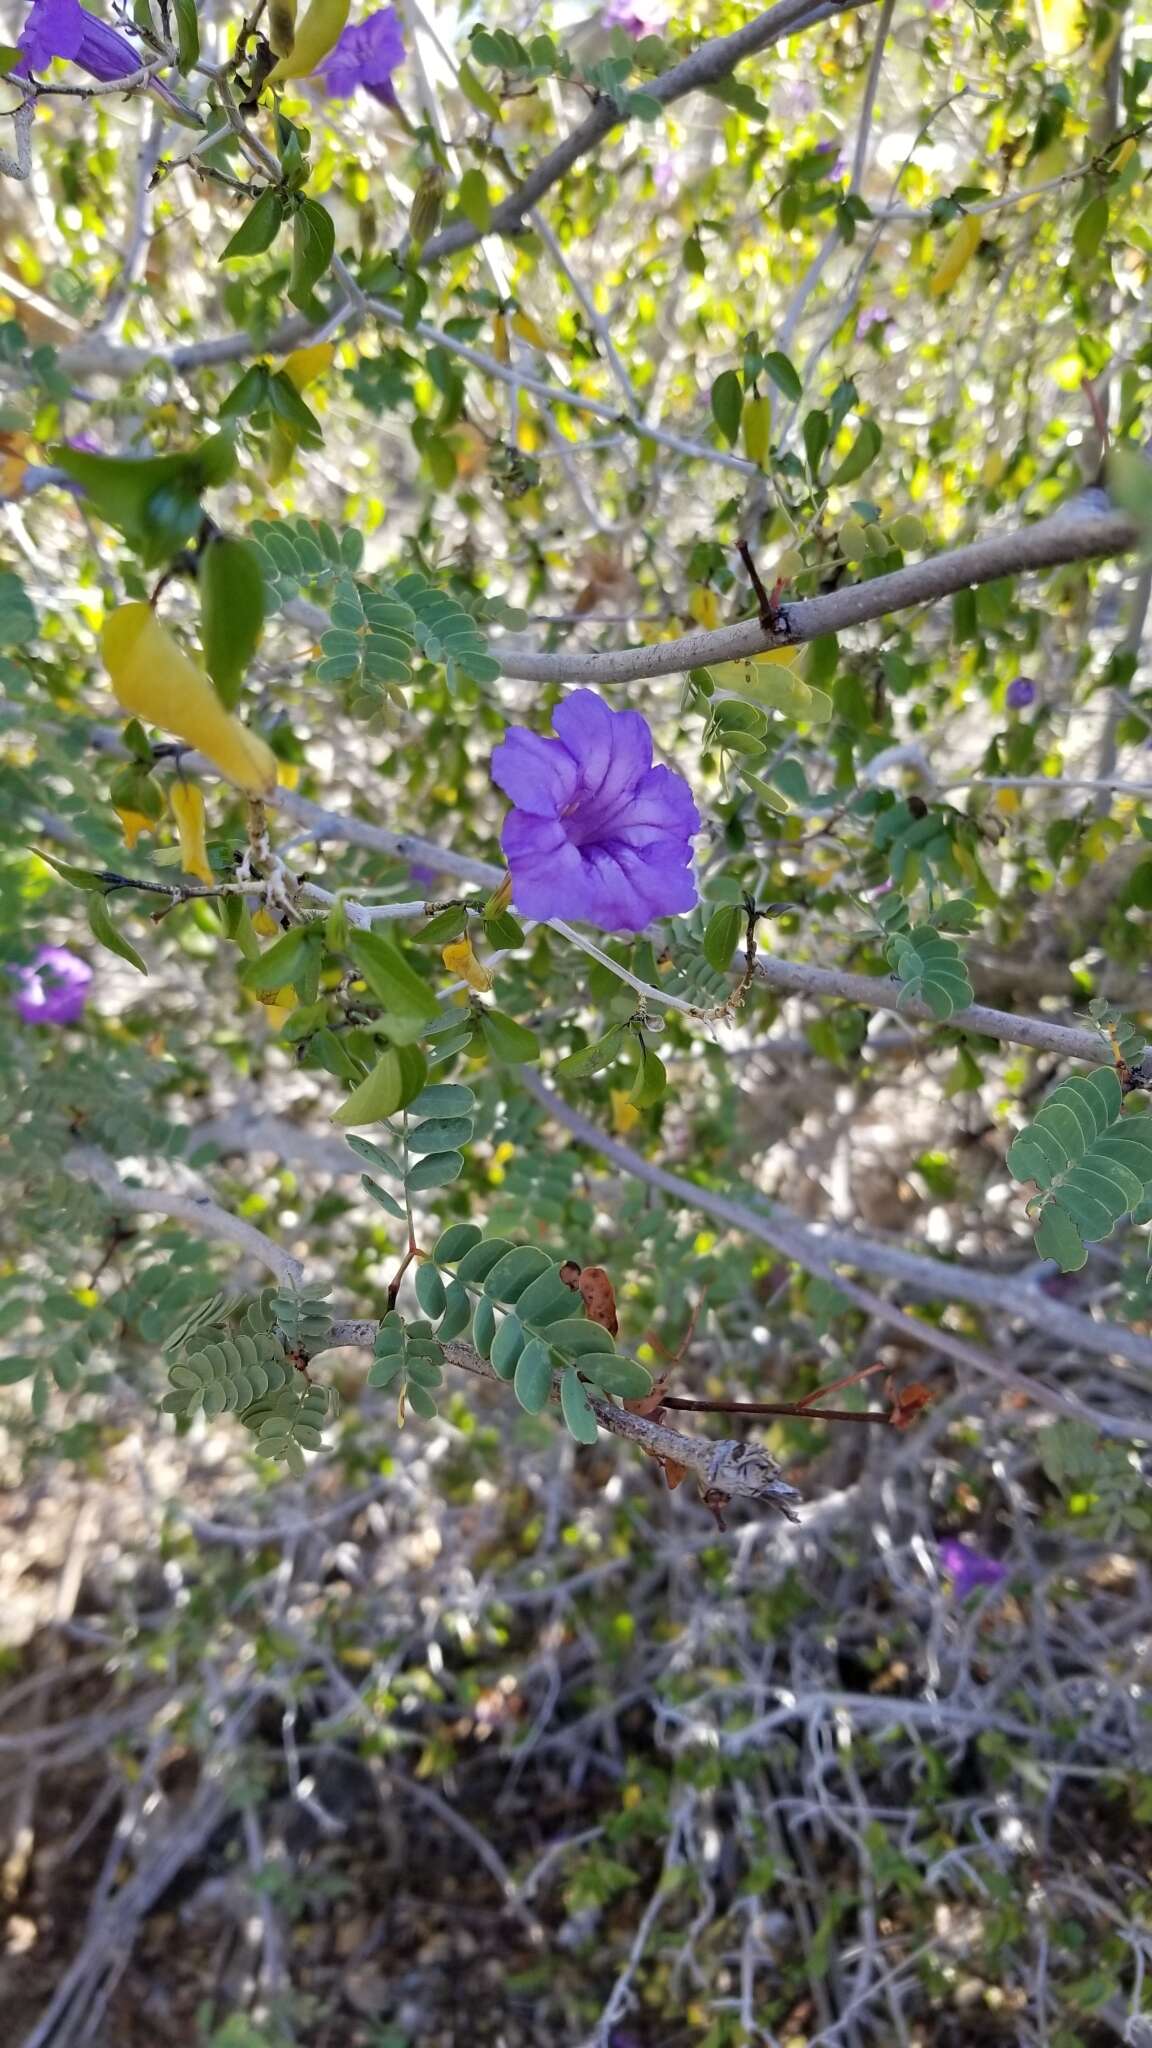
<point>872,316</point>
<point>366,55</point>
<point>1021,692</point>
<point>53,987</point>
<point>424,876</point>
<point>597,832</point>
<point>637,18</point>
<point>968,1568</point>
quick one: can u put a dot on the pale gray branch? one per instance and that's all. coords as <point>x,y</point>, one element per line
<point>198,1212</point>
<point>932,1279</point>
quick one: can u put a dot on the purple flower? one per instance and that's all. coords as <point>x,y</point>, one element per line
<point>636,17</point>
<point>969,1568</point>
<point>62,28</point>
<point>872,316</point>
<point>423,876</point>
<point>367,54</point>
<point>53,987</point>
<point>1021,692</point>
<point>597,832</point>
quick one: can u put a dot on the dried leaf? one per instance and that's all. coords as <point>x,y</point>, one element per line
<point>597,1293</point>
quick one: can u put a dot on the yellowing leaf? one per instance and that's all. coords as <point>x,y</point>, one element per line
<point>500,347</point>
<point>154,679</point>
<point>1007,800</point>
<point>958,255</point>
<point>264,923</point>
<point>188,811</point>
<point>459,959</point>
<point>771,680</point>
<point>278,1006</point>
<point>704,606</point>
<point>318,33</point>
<point>530,330</point>
<point>624,1113</point>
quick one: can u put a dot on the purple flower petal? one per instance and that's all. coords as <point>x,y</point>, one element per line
<point>596,833</point>
<point>539,775</point>
<point>969,1568</point>
<point>366,55</point>
<point>53,987</point>
<point>63,28</point>
<point>1021,692</point>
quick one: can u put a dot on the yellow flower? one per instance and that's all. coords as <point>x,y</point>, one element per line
<point>459,959</point>
<point>134,823</point>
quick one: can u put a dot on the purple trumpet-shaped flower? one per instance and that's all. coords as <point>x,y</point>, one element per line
<point>597,832</point>
<point>63,28</point>
<point>1021,692</point>
<point>366,55</point>
<point>53,987</point>
<point>969,1568</point>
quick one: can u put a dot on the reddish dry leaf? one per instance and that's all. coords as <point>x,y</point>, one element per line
<point>599,1299</point>
<point>908,1403</point>
<point>673,1472</point>
<point>650,1404</point>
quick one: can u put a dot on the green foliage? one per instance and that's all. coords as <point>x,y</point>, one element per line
<point>1091,1161</point>
<point>931,967</point>
<point>230,1358</point>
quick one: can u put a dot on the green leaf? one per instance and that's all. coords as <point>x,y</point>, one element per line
<point>577,1335</point>
<point>532,1382</point>
<point>187,34</point>
<point>507,1279</point>
<point>783,374</point>
<point>721,936</point>
<point>546,1299</point>
<point>282,961</point>
<point>816,431</point>
<point>476,1264</point>
<point>439,1133</point>
<point>231,611</point>
<point>727,405</point>
<point>381,1196</point>
<point>313,246</point>
<point>1092,1164</point>
<point>623,1376</point>
<point>408,1002</point>
<point>435,1171</point>
<point>17,611</point>
<point>1090,228</point>
<point>507,1345</point>
<point>932,969</point>
<point>473,200</point>
<point>457,1312</point>
<point>430,1291</point>
<point>259,228</point>
<point>398,1075</point>
<point>1129,474</point>
<point>863,452</point>
<point>576,1408</point>
<point>484,1327</point>
<point>593,1058</point>
<point>100,919</point>
<point>444,1099</point>
<point>384,1162</point>
<point>80,878</point>
<point>506,1039</point>
<point>14,1369</point>
<point>478,94</point>
<point>458,1239</point>
<point>651,1081</point>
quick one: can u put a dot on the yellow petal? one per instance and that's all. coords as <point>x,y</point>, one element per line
<point>134,823</point>
<point>265,924</point>
<point>704,606</point>
<point>287,774</point>
<point>304,365</point>
<point>530,330</point>
<point>279,1005</point>
<point>459,959</point>
<point>500,348</point>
